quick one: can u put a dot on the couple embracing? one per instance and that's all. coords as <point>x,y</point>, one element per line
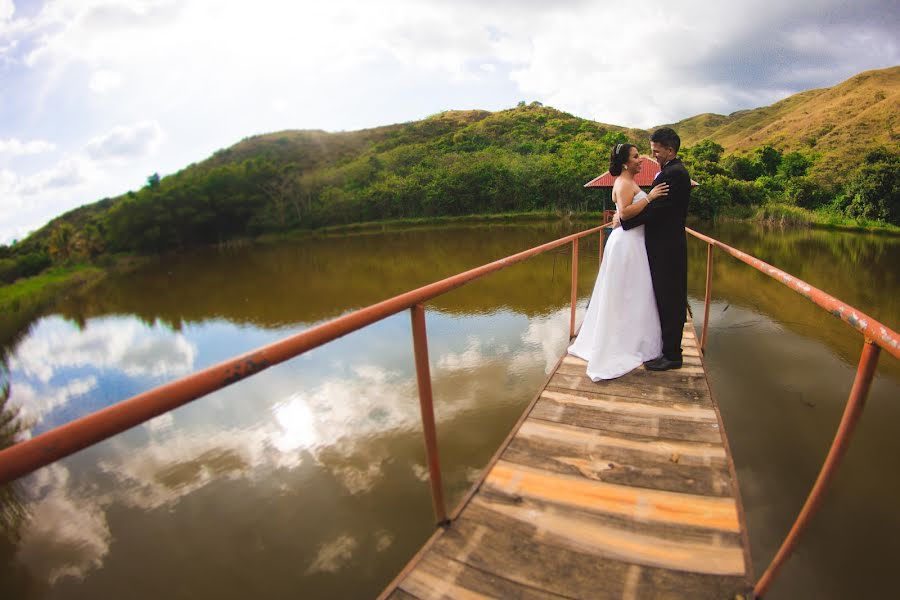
<point>639,305</point>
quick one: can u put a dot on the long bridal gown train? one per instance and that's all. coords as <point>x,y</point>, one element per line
<point>621,329</point>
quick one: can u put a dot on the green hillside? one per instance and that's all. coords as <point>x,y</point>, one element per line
<point>839,124</point>
<point>831,150</point>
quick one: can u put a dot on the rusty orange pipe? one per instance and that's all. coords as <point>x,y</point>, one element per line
<point>708,296</point>
<point>30,455</point>
<point>574,287</point>
<point>882,335</point>
<point>426,405</point>
<point>864,373</point>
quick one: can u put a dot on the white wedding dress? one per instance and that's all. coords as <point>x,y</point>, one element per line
<point>621,329</point>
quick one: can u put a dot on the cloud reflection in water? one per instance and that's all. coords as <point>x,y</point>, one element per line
<point>258,426</point>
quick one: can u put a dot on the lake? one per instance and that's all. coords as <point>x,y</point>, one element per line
<point>310,479</point>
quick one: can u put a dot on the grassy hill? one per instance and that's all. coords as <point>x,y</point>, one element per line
<point>839,123</point>
<point>530,157</point>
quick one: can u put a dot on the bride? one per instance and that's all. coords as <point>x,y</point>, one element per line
<point>621,329</point>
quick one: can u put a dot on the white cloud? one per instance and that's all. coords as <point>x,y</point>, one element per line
<point>36,405</point>
<point>334,555</point>
<point>13,147</point>
<point>69,172</point>
<point>209,73</point>
<point>135,349</point>
<point>66,535</point>
<point>7,8</point>
<point>104,81</point>
<point>126,142</point>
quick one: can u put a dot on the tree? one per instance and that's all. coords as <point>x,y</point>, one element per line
<point>707,151</point>
<point>768,159</point>
<point>741,167</point>
<point>794,164</point>
<point>153,181</point>
<point>805,192</point>
<point>873,192</point>
<point>60,244</point>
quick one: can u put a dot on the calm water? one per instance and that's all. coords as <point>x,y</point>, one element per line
<point>309,479</point>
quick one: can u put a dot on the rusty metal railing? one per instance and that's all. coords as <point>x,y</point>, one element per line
<point>876,337</point>
<point>27,456</point>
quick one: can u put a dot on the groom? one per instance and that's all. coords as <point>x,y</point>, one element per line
<point>667,246</point>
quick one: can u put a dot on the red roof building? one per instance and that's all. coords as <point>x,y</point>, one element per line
<point>649,169</point>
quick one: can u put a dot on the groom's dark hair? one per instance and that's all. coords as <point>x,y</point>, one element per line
<point>667,137</point>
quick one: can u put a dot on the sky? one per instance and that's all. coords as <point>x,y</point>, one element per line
<point>96,95</point>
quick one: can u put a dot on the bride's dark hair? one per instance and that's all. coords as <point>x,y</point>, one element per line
<point>618,157</point>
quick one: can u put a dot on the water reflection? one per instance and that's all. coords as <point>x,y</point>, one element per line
<point>333,415</point>
<point>311,475</point>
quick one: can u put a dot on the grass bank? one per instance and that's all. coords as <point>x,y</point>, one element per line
<point>25,299</point>
<point>22,301</point>
<point>786,214</point>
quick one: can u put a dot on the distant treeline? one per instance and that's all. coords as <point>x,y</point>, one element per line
<point>531,158</point>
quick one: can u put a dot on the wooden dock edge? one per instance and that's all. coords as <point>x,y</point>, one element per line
<point>736,489</point>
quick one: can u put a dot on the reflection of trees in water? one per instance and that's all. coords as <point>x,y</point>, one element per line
<point>859,269</point>
<point>12,508</point>
<point>317,278</point>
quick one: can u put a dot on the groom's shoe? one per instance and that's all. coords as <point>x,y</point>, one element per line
<point>662,364</point>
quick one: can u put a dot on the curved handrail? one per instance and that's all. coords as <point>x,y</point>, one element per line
<point>881,335</point>
<point>876,337</point>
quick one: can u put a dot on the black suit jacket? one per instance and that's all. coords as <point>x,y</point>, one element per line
<point>666,243</point>
<point>665,217</point>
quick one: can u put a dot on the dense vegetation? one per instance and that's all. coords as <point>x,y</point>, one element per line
<point>530,158</point>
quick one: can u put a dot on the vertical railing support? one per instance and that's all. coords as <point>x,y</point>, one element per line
<point>426,404</point>
<point>709,262</point>
<point>574,286</point>
<point>868,360</point>
<point>602,235</point>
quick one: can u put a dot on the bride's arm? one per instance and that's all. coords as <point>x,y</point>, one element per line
<point>632,208</point>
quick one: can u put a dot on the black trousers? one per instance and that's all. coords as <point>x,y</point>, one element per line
<point>668,269</point>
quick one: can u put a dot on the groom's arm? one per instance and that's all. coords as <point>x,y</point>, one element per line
<point>661,208</point>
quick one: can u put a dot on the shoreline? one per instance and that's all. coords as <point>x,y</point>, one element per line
<point>22,301</point>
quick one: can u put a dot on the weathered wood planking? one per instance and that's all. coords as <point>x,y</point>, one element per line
<point>617,489</point>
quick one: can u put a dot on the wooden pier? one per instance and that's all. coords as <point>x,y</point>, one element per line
<point>620,489</point>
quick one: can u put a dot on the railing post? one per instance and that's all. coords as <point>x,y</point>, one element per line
<point>574,286</point>
<point>855,403</point>
<point>602,235</point>
<point>423,377</point>
<point>709,262</point>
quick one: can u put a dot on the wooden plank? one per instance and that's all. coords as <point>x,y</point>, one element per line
<point>678,378</point>
<point>639,504</point>
<point>637,425</point>
<point>545,446</point>
<point>718,555</point>
<point>544,559</point>
<point>690,453</point>
<point>635,387</point>
<point>677,410</point>
<point>571,361</point>
<point>654,395</point>
<point>439,577</point>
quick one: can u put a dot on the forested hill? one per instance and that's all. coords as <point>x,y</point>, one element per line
<point>458,162</point>
<point>833,149</point>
